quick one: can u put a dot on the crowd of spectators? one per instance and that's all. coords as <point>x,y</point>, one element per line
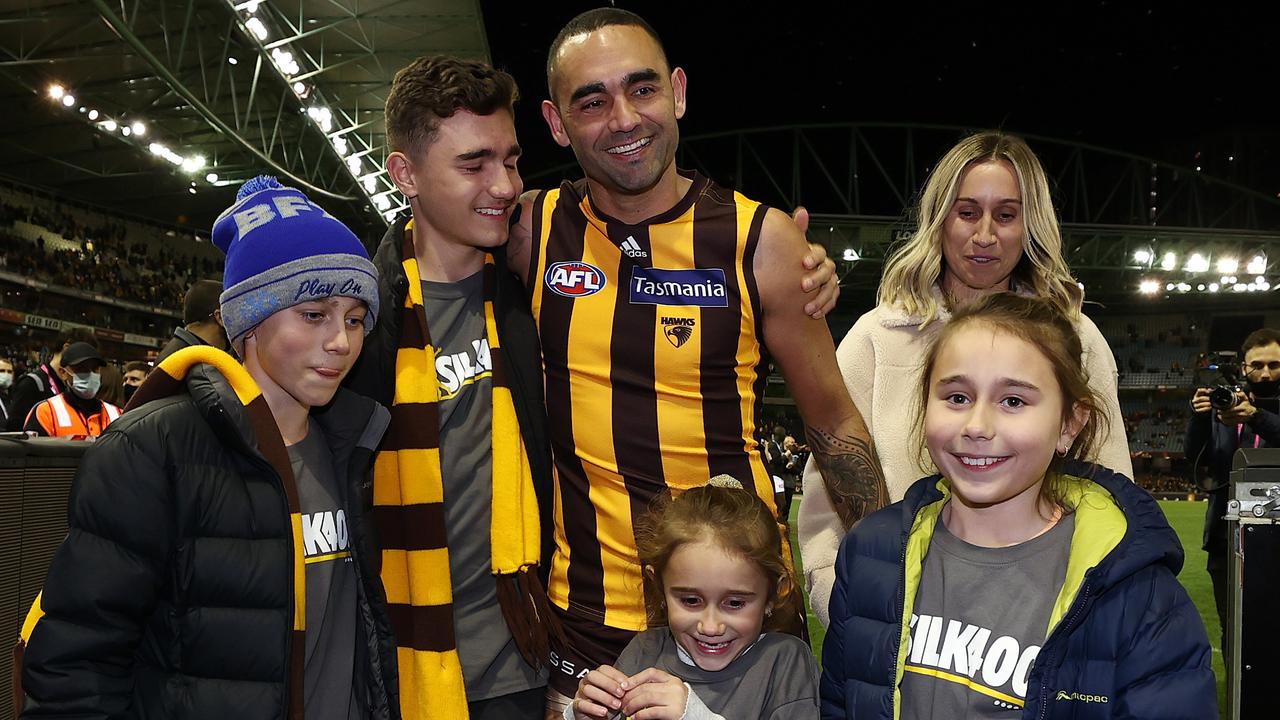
<point>1155,427</point>
<point>1166,484</point>
<point>101,259</point>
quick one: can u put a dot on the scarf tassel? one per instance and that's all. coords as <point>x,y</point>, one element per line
<point>525,607</point>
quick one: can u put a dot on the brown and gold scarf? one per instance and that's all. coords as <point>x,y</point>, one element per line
<point>408,499</point>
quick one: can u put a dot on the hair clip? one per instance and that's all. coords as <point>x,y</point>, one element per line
<point>725,481</point>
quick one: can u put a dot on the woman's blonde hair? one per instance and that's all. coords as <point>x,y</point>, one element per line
<point>915,268</point>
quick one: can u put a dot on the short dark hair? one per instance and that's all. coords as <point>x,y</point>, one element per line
<point>76,334</point>
<point>136,365</point>
<point>593,20</point>
<point>1258,338</point>
<point>433,88</point>
<point>201,301</point>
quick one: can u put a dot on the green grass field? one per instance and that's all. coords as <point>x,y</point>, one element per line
<point>1187,519</point>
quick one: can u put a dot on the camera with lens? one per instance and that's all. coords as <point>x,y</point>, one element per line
<point>1224,397</point>
<point>1224,391</point>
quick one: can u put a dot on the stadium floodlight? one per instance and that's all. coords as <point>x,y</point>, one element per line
<point>1259,280</point>
<point>1148,287</point>
<point>109,125</point>
<point>157,149</point>
<point>193,163</point>
<point>1200,287</point>
<point>233,61</point>
<point>1142,257</point>
<point>1169,261</point>
<point>139,128</point>
<point>353,164</point>
<point>1213,287</point>
<point>69,100</point>
<point>93,114</point>
<point>126,131</point>
<point>390,215</point>
<point>1170,286</point>
<point>322,116</point>
<point>191,190</point>
<point>1197,263</point>
<point>301,89</point>
<point>1239,287</point>
<point>382,202</point>
<point>283,60</point>
<point>340,144</point>
<point>56,91</point>
<point>1227,265</point>
<point>851,255</point>
<point>1257,265</point>
<point>1264,285</point>
<point>211,178</point>
<point>1183,287</point>
<point>370,184</point>
<point>255,26</point>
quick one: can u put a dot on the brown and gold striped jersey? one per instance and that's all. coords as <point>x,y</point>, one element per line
<point>651,341</point>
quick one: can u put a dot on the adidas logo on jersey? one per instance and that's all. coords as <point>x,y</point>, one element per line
<point>633,249</point>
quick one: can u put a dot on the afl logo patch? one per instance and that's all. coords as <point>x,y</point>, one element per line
<point>574,279</point>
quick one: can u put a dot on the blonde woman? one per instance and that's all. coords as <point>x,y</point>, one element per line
<point>985,224</point>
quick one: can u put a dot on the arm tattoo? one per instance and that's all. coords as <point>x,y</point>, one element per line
<point>852,473</point>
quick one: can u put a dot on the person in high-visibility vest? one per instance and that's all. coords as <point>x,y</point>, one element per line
<point>75,413</point>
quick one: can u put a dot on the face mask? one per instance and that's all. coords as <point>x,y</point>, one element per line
<point>6,379</point>
<point>129,390</point>
<point>86,385</point>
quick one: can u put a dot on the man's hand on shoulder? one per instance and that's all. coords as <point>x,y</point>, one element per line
<point>821,283</point>
<point>520,236</point>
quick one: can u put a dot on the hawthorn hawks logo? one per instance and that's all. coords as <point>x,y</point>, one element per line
<point>678,330</point>
<point>574,279</point>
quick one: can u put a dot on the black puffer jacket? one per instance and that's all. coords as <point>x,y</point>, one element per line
<point>173,593</point>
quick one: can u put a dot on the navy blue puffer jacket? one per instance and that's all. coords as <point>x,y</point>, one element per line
<point>1129,644</point>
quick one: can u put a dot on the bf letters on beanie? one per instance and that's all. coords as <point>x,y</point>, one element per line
<point>282,249</point>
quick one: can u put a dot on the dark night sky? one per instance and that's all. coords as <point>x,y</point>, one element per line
<point>1145,78</point>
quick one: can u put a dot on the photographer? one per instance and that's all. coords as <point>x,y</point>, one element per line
<point>1247,417</point>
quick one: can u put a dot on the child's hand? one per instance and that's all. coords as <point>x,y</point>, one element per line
<point>655,695</point>
<point>600,693</point>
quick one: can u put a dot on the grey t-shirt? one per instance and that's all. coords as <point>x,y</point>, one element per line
<point>980,617</point>
<point>491,664</point>
<point>331,584</point>
<point>776,679</point>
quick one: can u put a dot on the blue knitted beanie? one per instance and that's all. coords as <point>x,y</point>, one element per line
<point>282,249</point>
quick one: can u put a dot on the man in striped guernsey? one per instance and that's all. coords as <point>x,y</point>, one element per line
<point>658,295</point>
<point>464,570</point>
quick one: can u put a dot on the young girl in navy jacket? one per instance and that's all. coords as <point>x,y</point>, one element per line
<point>1018,582</point>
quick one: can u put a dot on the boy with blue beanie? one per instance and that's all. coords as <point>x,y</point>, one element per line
<point>218,563</point>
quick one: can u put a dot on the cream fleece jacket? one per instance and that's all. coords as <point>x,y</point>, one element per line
<point>881,361</point>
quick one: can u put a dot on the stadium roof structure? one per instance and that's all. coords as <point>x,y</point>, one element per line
<point>161,108</point>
